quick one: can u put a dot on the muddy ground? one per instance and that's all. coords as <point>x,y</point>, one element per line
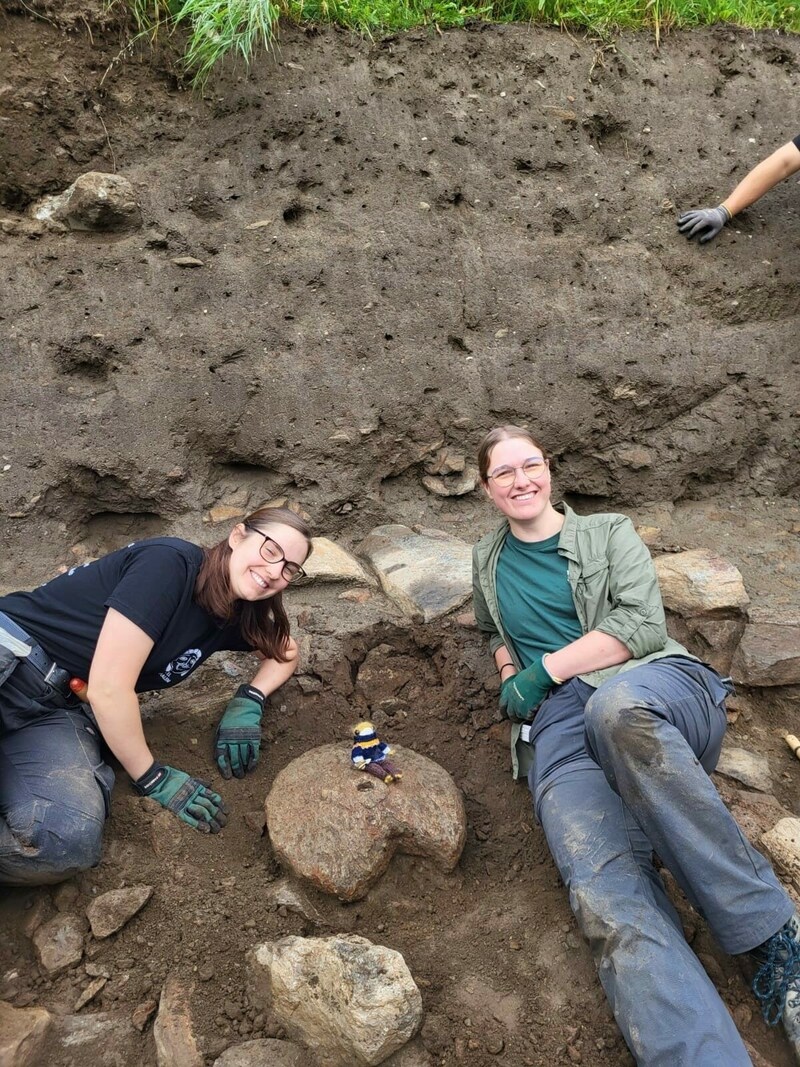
<point>461,229</point>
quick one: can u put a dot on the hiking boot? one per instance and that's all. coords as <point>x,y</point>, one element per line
<point>777,981</point>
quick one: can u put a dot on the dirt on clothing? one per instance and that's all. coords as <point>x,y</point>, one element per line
<point>402,243</point>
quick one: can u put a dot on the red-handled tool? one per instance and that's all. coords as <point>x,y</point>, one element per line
<point>79,688</point>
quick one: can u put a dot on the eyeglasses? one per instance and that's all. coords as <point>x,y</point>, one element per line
<point>271,552</point>
<point>532,468</point>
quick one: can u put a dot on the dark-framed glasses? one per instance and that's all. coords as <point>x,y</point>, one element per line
<point>271,552</point>
<point>532,468</point>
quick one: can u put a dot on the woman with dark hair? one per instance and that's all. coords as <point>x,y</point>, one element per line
<point>139,619</point>
<point>617,728</point>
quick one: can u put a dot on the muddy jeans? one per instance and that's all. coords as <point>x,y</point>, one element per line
<point>54,788</point>
<point>619,772</point>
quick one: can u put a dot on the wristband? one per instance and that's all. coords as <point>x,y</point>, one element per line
<point>249,692</point>
<point>556,680</point>
<point>152,777</point>
<point>503,666</point>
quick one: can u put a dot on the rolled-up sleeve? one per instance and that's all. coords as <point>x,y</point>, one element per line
<point>636,617</point>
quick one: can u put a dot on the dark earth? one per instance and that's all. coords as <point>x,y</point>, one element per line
<point>460,229</point>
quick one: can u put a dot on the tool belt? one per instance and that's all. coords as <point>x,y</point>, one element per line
<point>18,649</point>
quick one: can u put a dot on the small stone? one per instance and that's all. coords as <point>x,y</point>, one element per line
<point>495,1045</point>
<point>206,972</point>
<point>89,993</point>
<point>574,1055</point>
<point>94,201</point>
<point>260,224</point>
<point>59,943</point>
<point>187,261</point>
<point>109,912</point>
<point>225,513</point>
<point>97,970</point>
<point>254,820</point>
<point>176,1044</point>
<point>65,896</point>
<point>143,1013</point>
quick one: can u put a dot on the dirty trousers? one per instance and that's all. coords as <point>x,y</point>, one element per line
<point>54,789</point>
<point>619,772</point>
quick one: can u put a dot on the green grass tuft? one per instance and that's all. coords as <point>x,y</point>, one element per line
<point>217,28</point>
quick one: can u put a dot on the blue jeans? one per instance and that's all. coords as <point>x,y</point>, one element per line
<point>618,773</point>
<point>55,787</point>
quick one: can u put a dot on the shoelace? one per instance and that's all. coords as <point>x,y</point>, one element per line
<point>778,977</point>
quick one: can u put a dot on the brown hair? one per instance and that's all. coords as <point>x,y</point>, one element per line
<point>264,623</point>
<point>503,433</point>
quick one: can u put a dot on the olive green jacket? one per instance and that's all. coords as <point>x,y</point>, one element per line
<point>614,589</point>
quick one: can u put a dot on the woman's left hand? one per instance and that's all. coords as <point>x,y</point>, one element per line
<point>522,693</point>
<point>238,737</point>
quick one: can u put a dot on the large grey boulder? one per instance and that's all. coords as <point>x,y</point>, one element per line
<point>426,574</point>
<point>94,201</point>
<point>352,1002</point>
<point>358,821</point>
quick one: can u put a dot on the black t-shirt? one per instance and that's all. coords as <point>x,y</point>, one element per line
<point>149,582</point>
<point>796,141</point>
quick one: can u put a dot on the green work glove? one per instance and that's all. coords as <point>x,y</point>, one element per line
<point>522,693</point>
<point>238,736</point>
<point>189,798</point>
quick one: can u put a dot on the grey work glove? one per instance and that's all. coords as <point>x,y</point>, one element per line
<point>706,221</point>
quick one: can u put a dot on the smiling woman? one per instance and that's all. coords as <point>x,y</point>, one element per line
<point>618,728</point>
<point>141,618</point>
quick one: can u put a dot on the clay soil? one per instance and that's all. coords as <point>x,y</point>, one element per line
<point>458,230</point>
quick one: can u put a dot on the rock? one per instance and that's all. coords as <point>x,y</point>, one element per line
<point>698,582</point>
<point>453,484</point>
<point>426,574</point>
<point>282,894</point>
<point>360,822</point>
<point>446,461</point>
<point>352,1002</point>
<point>187,261</point>
<point>65,896</point>
<point>782,844</point>
<point>143,1013</point>
<point>649,534</point>
<point>384,674</point>
<point>22,1034</point>
<point>38,913</point>
<point>331,563</point>
<point>89,993</point>
<point>715,640</point>
<point>109,912</point>
<point>769,652</point>
<point>59,942</point>
<point>265,1053</point>
<point>176,1045</point>
<point>94,201</point>
<point>746,767</point>
<point>102,1038</point>
<point>225,513</point>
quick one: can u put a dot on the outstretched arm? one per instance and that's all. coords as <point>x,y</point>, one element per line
<point>781,164</point>
<point>121,652</point>
<point>706,223</point>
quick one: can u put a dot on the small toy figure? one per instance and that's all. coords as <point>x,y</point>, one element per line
<point>370,754</point>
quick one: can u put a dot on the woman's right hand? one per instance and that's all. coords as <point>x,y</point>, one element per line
<point>522,693</point>
<point>189,798</point>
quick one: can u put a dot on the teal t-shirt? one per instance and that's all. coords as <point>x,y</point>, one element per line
<point>535,598</point>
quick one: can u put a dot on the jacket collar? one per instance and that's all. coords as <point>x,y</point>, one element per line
<point>566,540</point>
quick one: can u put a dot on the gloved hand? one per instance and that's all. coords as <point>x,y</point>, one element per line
<point>189,798</point>
<point>707,221</point>
<point>522,693</point>
<point>238,736</point>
